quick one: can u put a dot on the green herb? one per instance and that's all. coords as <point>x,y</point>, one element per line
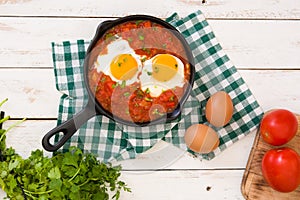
<point>156,69</point>
<point>4,119</point>
<point>123,84</point>
<point>141,37</point>
<point>156,112</point>
<point>103,79</point>
<point>143,59</point>
<point>5,100</point>
<point>126,94</point>
<point>114,85</point>
<point>110,37</point>
<point>140,93</point>
<point>3,133</point>
<point>164,46</point>
<point>71,175</point>
<point>149,73</point>
<point>147,91</point>
<point>119,64</point>
<point>97,88</point>
<point>147,50</point>
<point>171,98</point>
<point>148,99</point>
<point>137,22</point>
<point>129,39</point>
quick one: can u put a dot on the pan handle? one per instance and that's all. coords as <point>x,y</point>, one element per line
<point>68,128</point>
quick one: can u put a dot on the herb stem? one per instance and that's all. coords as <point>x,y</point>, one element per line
<point>39,193</point>
<point>88,180</point>
<point>4,119</point>
<point>148,99</point>
<point>5,100</point>
<point>12,126</point>
<point>75,173</point>
<point>31,196</point>
<point>85,182</point>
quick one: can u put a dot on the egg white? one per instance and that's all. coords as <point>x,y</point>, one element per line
<point>114,49</point>
<point>144,73</point>
<point>157,87</point>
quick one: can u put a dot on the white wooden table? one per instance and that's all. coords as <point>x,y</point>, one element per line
<point>262,38</point>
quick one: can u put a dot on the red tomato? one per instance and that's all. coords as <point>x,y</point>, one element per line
<point>281,169</point>
<point>278,127</point>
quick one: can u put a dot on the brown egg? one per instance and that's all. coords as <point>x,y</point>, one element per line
<point>201,138</point>
<point>219,109</point>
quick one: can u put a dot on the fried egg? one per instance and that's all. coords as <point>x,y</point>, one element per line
<point>156,75</point>
<point>120,62</point>
<point>162,72</point>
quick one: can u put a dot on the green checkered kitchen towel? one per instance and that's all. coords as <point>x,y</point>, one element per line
<point>214,72</point>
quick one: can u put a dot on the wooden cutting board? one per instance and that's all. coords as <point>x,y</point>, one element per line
<point>254,186</point>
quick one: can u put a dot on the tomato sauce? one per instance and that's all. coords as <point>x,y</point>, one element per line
<point>130,102</point>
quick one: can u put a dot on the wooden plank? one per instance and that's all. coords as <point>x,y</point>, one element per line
<point>35,37</point>
<point>31,133</point>
<point>204,179</point>
<point>254,187</point>
<point>32,92</point>
<point>27,41</point>
<point>260,44</point>
<point>236,156</point>
<point>188,185</point>
<point>268,9</point>
<point>27,136</point>
<point>274,89</point>
<point>178,185</point>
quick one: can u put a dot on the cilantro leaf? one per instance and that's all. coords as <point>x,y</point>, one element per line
<point>54,173</point>
<point>69,175</point>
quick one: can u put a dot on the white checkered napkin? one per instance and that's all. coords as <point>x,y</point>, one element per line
<point>99,135</point>
<point>214,72</point>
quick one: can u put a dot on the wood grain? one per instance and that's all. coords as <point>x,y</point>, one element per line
<point>31,133</point>
<point>180,184</point>
<point>267,9</point>
<point>260,36</point>
<point>272,89</point>
<point>254,187</point>
<point>247,42</point>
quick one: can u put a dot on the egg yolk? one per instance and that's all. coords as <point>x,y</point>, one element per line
<point>164,67</point>
<point>123,66</point>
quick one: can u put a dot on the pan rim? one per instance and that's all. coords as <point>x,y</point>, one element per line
<point>106,25</point>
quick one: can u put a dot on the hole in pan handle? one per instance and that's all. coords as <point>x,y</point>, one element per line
<point>68,128</point>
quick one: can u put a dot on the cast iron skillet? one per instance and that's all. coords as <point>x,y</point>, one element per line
<point>93,107</point>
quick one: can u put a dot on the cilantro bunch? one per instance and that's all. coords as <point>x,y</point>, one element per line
<point>69,175</point>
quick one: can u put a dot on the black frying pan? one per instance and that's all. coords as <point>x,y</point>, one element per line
<point>69,127</point>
